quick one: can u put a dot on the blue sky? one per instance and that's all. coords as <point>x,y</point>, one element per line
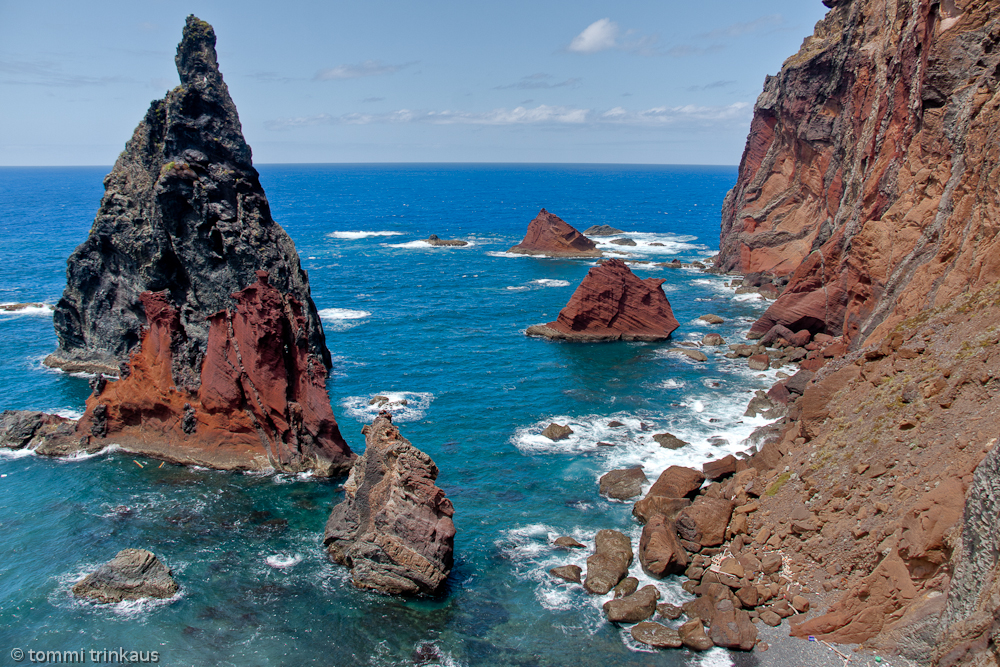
<point>404,81</point>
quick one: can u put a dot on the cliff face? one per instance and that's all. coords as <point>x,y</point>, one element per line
<point>612,303</point>
<point>183,212</point>
<point>550,235</point>
<point>261,402</point>
<point>869,180</point>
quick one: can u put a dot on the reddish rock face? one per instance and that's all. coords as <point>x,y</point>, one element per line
<point>549,235</point>
<point>612,303</point>
<point>869,178</point>
<point>262,401</point>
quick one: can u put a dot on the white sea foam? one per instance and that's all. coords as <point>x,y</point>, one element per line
<point>672,244</point>
<point>410,244</point>
<point>354,236</point>
<point>68,413</point>
<point>549,282</point>
<point>342,319</point>
<point>405,406</point>
<point>518,288</point>
<point>281,561</point>
<point>83,456</point>
<point>44,310</point>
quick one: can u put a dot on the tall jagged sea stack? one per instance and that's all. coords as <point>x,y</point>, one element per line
<point>183,213</point>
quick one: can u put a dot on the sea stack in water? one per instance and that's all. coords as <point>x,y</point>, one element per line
<point>261,400</point>
<point>394,527</point>
<point>183,212</point>
<point>550,235</point>
<point>133,574</point>
<point>612,303</point>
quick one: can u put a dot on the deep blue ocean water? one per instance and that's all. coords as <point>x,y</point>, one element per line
<point>440,327</point>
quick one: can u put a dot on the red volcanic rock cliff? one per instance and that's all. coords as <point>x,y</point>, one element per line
<point>870,177</point>
<point>612,303</point>
<point>262,401</point>
<point>549,235</point>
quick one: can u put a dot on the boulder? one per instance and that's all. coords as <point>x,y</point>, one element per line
<point>693,635</point>
<point>568,572</point>
<point>601,230</point>
<point>610,562</point>
<point>41,432</point>
<point>711,319</point>
<point>705,521</point>
<point>668,440</point>
<point>660,552</point>
<point>623,241</point>
<point>549,235</point>
<point>712,340</point>
<point>676,482</point>
<point>732,628</point>
<point>567,542</point>
<point>769,617</point>
<point>669,611</point>
<point>694,355</point>
<point>719,468</point>
<point>183,212</point>
<point>556,432</point>
<point>656,635</point>
<point>435,241</point>
<point>623,484</point>
<point>759,362</point>
<point>133,574</point>
<point>633,608</point>
<point>625,587</point>
<point>612,303</point>
<point>394,528</point>
<point>649,506</point>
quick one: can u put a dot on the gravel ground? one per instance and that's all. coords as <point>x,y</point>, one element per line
<point>786,651</point>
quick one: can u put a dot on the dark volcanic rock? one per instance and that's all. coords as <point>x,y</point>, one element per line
<point>183,212</point>
<point>550,235</point>
<point>557,431</point>
<point>435,241</point>
<point>624,241</point>
<point>394,527</point>
<point>133,574</point>
<point>601,230</point>
<point>668,440</point>
<point>38,431</point>
<point>261,402</point>
<point>612,303</point>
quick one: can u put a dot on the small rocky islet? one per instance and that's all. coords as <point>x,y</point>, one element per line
<point>866,514</point>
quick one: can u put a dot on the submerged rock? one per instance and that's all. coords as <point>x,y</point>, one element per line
<point>183,213</point>
<point>394,528</point>
<point>612,303</point>
<point>133,574</point>
<point>601,230</point>
<point>550,235</point>
<point>435,241</point>
<point>261,402</point>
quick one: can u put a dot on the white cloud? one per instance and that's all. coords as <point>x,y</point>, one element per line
<point>598,36</point>
<point>688,115</point>
<point>366,68</point>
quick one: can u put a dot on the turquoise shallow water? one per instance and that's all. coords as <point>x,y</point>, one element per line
<point>441,327</point>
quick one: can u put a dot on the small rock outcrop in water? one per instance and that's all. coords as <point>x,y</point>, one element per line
<point>601,230</point>
<point>262,399</point>
<point>394,528</point>
<point>183,212</point>
<point>435,241</point>
<point>612,303</point>
<point>549,235</point>
<point>38,431</point>
<point>133,574</point>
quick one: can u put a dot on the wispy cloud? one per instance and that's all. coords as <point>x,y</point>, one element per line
<point>366,68</point>
<point>710,86</point>
<point>44,73</point>
<point>745,28</point>
<point>539,81</point>
<point>540,115</point>
<point>604,34</point>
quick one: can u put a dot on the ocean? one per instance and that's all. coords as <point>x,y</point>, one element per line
<point>441,327</point>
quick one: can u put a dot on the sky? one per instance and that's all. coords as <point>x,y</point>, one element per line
<point>545,81</point>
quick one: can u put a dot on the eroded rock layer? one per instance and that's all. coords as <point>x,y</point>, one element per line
<point>550,235</point>
<point>394,529</point>
<point>261,400</point>
<point>870,176</point>
<point>612,303</point>
<point>183,213</point>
